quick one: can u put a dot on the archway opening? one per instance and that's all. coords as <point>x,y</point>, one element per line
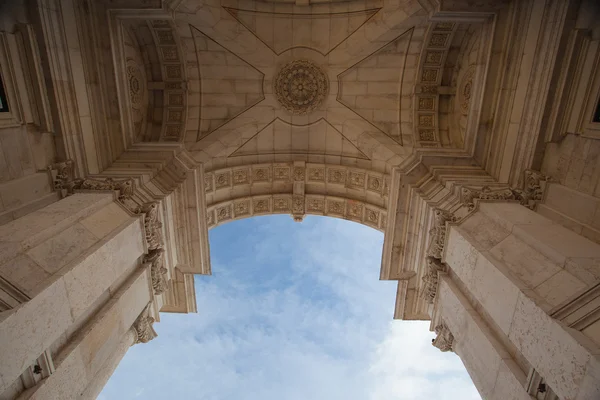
<point>291,311</point>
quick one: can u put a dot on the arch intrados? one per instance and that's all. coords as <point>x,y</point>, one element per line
<point>297,188</point>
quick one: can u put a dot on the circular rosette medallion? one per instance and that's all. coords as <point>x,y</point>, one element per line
<point>300,86</point>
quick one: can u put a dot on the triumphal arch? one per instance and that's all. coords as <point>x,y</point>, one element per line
<point>468,131</point>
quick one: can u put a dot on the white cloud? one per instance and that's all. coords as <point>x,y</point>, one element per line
<point>293,311</point>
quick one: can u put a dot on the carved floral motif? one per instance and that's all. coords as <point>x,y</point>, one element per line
<point>469,195</point>
<point>438,232</point>
<point>300,86</point>
<point>465,89</point>
<point>430,279</point>
<point>152,226</point>
<point>143,327</point>
<point>534,184</point>
<point>157,270</point>
<point>444,338</point>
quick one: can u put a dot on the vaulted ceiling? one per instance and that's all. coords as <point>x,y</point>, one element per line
<point>355,83</point>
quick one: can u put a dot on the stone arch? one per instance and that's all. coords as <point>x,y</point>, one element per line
<point>298,189</point>
<point>156,88</point>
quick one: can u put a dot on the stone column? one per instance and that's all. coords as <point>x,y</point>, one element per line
<point>70,279</point>
<point>97,384</point>
<point>530,281</point>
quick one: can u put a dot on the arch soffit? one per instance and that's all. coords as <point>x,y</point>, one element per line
<point>298,189</point>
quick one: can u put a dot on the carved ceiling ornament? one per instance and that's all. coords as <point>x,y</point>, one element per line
<point>158,272</point>
<point>438,233</point>
<point>143,327</point>
<point>430,279</point>
<point>465,88</point>
<point>136,83</point>
<point>300,86</point>
<point>444,338</point>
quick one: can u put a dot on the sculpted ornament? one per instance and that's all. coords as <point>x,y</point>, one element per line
<point>534,184</point>
<point>143,327</point>
<point>444,339</point>
<point>152,226</point>
<point>533,191</point>
<point>65,180</point>
<point>157,270</point>
<point>469,195</point>
<point>430,279</point>
<point>300,87</point>
<point>438,233</point>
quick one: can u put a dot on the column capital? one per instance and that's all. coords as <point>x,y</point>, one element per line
<point>532,191</point>
<point>143,326</point>
<point>158,272</point>
<point>444,339</point>
<point>438,232</point>
<point>431,278</point>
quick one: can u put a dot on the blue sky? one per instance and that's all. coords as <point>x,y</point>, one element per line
<point>293,311</point>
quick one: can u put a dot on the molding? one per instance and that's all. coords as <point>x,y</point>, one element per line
<point>581,311</point>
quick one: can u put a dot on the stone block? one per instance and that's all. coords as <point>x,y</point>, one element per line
<point>555,354</point>
<point>531,267</point>
<point>59,250</point>
<point>102,265</point>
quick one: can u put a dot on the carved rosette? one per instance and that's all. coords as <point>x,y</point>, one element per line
<point>300,86</point>
<point>143,327</point>
<point>65,181</point>
<point>137,84</point>
<point>430,279</point>
<point>157,270</point>
<point>464,90</point>
<point>438,233</point>
<point>444,338</point>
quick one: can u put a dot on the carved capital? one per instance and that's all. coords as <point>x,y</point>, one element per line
<point>469,195</point>
<point>157,270</point>
<point>143,327</point>
<point>438,233</point>
<point>66,182</point>
<point>444,338</point>
<point>152,226</point>
<point>430,279</point>
<point>534,184</point>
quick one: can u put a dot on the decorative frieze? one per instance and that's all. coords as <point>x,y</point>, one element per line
<point>438,232</point>
<point>143,327</point>
<point>157,270</point>
<point>534,184</point>
<point>469,195</point>
<point>430,279</point>
<point>444,339</point>
<point>65,181</point>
